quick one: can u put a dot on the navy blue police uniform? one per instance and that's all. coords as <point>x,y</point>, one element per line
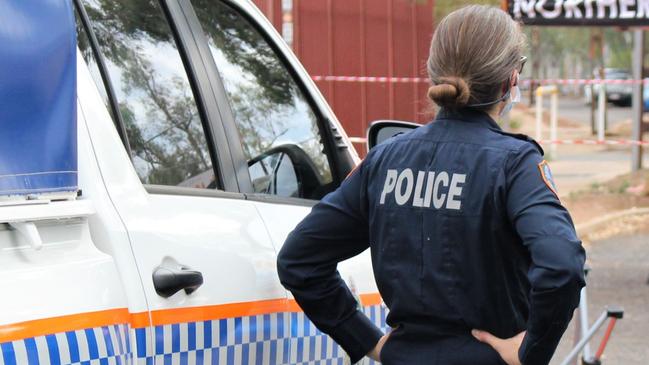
<point>466,232</point>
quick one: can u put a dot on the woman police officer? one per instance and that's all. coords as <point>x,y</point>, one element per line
<point>472,251</point>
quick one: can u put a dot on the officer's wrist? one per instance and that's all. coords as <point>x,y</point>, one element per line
<point>357,335</point>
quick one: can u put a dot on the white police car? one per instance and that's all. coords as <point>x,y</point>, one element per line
<point>199,141</point>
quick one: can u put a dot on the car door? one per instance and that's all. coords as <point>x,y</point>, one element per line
<point>204,255</point>
<point>286,144</point>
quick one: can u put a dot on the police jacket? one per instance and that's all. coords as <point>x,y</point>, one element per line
<point>465,230</point>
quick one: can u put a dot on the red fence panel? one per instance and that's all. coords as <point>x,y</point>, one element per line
<point>382,38</point>
<point>273,11</point>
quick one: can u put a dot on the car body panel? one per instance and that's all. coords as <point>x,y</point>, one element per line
<point>95,271</point>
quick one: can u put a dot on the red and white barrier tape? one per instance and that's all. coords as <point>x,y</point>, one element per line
<point>620,142</point>
<point>373,79</point>
<point>583,82</point>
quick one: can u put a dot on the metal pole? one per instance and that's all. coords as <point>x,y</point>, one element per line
<point>536,62</point>
<point>638,103</point>
<point>539,112</point>
<point>602,76</point>
<point>583,321</point>
<point>592,86</point>
<point>584,340</point>
<point>553,120</point>
<point>601,112</point>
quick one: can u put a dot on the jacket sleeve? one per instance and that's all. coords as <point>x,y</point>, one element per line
<point>556,273</point>
<point>335,230</point>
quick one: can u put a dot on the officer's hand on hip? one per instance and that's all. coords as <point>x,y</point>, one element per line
<point>375,354</point>
<point>506,348</point>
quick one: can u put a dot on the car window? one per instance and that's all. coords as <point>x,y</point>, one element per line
<point>156,103</point>
<point>83,42</point>
<point>269,108</point>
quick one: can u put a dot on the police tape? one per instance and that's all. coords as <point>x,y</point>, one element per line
<point>609,142</point>
<point>582,82</point>
<point>371,79</point>
<point>381,79</point>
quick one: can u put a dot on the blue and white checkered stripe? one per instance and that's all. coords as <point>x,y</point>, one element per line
<point>309,346</point>
<point>108,345</point>
<point>267,339</point>
<point>377,314</point>
<point>261,339</point>
<point>277,338</point>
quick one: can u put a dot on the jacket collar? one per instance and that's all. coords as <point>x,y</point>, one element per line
<point>468,115</point>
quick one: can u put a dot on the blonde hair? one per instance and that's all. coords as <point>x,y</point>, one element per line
<point>472,55</point>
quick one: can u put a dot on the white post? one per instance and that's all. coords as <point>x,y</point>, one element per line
<point>601,105</point>
<point>583,318</point>
<point>636,131</point>
<point>539,112</point>
<point>553,120</point>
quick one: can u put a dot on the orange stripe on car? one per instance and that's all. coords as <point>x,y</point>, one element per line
<point>73,322</point>
<point>212,312</point>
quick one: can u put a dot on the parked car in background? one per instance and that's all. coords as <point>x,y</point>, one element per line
<point>618,94</point>
<point>645,97</point>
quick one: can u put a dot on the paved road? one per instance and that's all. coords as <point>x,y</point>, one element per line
<point>619,276</point>
<point>575,109</point>
<point>578,167</point>
<point>578,170</point>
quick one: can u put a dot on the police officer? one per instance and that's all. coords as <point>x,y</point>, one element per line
<point>472,251</point>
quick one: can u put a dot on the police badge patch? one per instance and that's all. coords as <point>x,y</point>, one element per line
<point>546,174</point>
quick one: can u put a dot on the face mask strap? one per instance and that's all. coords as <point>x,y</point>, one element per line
<point>502,98</point>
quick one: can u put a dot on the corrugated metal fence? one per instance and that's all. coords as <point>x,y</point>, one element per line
<point>382,38</point>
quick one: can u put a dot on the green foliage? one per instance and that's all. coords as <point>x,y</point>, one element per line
<point>559,44</point>
<point>515,123</point>
<point>155,98</point>
<point>622,188</point>
<point>157,107</point>
<point>595,186</point>
<point>620,46</point>
<point>444,7</point>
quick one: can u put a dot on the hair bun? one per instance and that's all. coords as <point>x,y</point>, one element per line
<point>450,92</point>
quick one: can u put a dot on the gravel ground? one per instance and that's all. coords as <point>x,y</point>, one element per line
<point>620,274</point>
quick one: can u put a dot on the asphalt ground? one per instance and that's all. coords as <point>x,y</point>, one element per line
<point>619,276</point>
<point>575,109</point>
<point>578,167</point>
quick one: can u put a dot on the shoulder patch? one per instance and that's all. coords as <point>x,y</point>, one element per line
<point>522,137</point>
<point>546,175</point>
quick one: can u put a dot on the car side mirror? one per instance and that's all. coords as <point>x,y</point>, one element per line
<point>382,130</point>
<point>286,171</point>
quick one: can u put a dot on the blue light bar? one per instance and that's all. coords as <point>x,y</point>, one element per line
<point>38,134</point>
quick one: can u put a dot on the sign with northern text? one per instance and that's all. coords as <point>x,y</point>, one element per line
<point>580,12</point>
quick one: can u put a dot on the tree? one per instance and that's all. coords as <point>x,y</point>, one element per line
<point>444,7</point>
<point>155,100</point>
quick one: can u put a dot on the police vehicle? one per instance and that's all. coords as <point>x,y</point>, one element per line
<point>154,155</point>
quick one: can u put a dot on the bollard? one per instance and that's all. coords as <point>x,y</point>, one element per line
<point>539,112</point>
<point>554,120</point>
<point>554,105</point>
<point>601,111</point>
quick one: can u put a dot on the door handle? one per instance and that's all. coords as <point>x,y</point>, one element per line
<point>168,282</point>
